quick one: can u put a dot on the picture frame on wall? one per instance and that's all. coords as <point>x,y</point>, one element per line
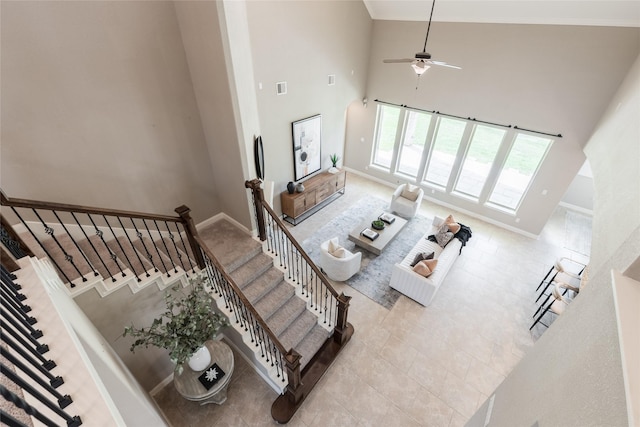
<point>307,143</point>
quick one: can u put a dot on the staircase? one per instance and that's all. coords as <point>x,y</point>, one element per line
<point>283,309</point>
<point>287,313</point>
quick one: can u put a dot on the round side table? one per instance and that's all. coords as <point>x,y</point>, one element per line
<point>191,388</point>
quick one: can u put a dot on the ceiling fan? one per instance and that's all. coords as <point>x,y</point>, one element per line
<point>422,62</point>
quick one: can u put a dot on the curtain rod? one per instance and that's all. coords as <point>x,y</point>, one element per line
<point>468,118</point>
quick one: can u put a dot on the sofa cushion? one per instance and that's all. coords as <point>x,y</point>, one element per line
<point>410,192</point>
<point>421,256</point>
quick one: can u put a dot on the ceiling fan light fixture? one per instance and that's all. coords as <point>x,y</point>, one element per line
<point>419,67</point>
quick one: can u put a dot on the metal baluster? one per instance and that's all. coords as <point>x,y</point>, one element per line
<point>173,240</point>
<point>32,344</point>
<point>175,269</point>
<point>129,263</point>
<point>112,254</point>
<point>71,421</point>
<point>63,401</point>
<point>95,272</point>
<point>144,245</point>
<point>43,248</point>
<point>13,299</point>
<point>44,367</point>
<point>8,278</point>
<point>135,251</point>
<point>22,404</point>
<point>156,247</point>
<point>84,279</point>
<point>186,250</point>
<point>50,231</point>
<point>23,327</point>
<point>17,313</point>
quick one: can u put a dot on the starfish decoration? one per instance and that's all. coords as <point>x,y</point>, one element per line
<point>212,374</point>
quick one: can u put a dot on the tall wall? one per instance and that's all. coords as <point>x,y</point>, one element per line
<point>573,375</point>
<point>302,43</point>
<point>98,108</point>
<point>540,77</point>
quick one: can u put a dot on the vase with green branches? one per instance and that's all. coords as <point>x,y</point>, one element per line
<point>188,322</point>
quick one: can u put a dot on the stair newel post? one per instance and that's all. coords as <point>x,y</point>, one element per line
<point>190,228</point>
<point>258,198</point>
<point>292,365</point>
<point>340,335</point>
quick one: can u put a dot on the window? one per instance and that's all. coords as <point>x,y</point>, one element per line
<point>413,139</point>
<point>487,163</point>
<point>445,148</point>
<point>477,164</point>
<point>387,126</point>
<point>518,171</point>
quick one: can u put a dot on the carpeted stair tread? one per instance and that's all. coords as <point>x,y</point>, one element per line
<point>127,253</point>
<point>230,245</point>
<point>298,329</point>
<point>250,271</point>
<point>99,254</point>
<point>57,255</point>
<point>287,313</point>
<point>157,258</point>
<point>272,301</point>
<point>176,252</point>
<point>311,343</point>
<point>263,284</point>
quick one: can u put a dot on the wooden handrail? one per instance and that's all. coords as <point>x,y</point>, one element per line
<point>302,252</point>
<point>35,204</point>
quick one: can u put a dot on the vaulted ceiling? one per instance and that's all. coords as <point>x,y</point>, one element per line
<point>616,13</point>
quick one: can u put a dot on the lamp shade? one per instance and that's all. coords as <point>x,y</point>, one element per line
<point>419,67</point>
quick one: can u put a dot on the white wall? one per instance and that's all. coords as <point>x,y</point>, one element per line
<point>540,77</point>
<point>302,43</point>
<point>98,108</point>
<point>573,375</point>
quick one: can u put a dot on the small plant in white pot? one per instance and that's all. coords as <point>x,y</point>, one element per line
<point>188,322</point>
<point>334,162</point>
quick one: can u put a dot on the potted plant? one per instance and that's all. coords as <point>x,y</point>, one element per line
<point>188,322</point>
<point>334,161</point>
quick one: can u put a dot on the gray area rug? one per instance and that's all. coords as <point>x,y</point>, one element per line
<point>375,271</point>
<point>577,233</point>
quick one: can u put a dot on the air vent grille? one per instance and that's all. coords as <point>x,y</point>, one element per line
<point>281,88</point>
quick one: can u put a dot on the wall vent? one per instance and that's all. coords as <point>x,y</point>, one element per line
<point>281,88</point>
<point>332,79</point>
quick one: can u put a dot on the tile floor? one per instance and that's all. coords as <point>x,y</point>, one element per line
<point>412,365</point>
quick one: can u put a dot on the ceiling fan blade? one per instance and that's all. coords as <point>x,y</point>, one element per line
<point>395,61</point>
<point>444,64</point>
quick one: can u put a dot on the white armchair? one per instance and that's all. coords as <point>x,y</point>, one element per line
<point>339,268</point>
<point>406,200</point>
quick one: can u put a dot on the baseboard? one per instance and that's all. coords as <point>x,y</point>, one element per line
<point>162,384</point>
<point>219,217</point>
<point>576,208</point>
<point>449,205</point>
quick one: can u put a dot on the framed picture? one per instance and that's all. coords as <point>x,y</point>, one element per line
<point>307,140</point>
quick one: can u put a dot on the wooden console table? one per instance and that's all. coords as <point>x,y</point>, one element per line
<point>319,191</point>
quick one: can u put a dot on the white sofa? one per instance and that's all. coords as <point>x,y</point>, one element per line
<point>419,288</point>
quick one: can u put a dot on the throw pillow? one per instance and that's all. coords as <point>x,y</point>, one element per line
<point>444,236</point>
<point>410,192</point>
<point>421,256</point>
<point>454,227</point>
<point>335,249</point>
<point>426,267</point>
<point>339,253</point>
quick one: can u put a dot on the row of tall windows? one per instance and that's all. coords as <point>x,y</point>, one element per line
<point>486,163</point>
